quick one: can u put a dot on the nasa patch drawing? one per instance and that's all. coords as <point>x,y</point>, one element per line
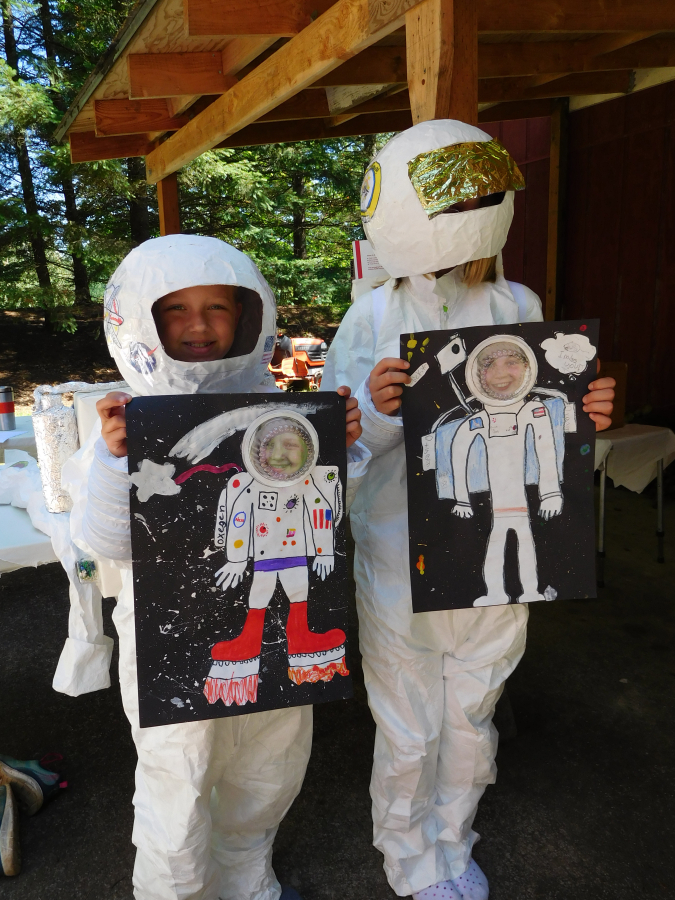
<point>237,525</point>
<point>500,464</point>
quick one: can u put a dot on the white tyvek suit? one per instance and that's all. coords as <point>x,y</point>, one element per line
<point>433,679</point>
<point>209,795</point>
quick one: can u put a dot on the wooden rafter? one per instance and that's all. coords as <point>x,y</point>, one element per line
<point>86,147</point>
<point>277,17</point>
<point>174,74</point>
<point>317,129</point>
<point>590,16</point>
<point>134,117</point>
<point>340,33</point>
<point>500,90</point>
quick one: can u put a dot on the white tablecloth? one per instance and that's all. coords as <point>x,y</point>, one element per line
<point>21,544</point>
<point>635,451</point>
<point>25,441</point>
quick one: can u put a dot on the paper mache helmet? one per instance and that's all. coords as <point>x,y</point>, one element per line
<point>162,265</point>
<point>414,180</point>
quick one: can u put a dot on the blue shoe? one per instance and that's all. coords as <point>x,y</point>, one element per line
<point>10,855</point>
<point>31,784</point>
<point>289,893</point>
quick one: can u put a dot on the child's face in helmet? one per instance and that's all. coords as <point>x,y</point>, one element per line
<point>198,324</point>
<point>286,453</point>
<point>505,375</point>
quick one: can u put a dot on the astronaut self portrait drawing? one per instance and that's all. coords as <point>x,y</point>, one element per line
<point>500,464</point>
<point>238,517</point>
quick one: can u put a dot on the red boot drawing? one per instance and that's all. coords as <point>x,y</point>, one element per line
<point>234,672</point>
<point>313,657</point>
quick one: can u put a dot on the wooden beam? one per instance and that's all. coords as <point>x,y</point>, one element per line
<point>518,109</point>
<point>374,65</point>
<point>506,89</point>
<point>134,117</point>
<point>86,147</point>
<point>277,17</point>
<point>511,60</point>
<point>167,202</point>
<point>430,47</point>
<point>552,238</point>
<point>173,74</point>
<point>464,87</point>
<point>599,47</point>
<point>340,33</point>
<point>576,15</point>
<point>317,129</point>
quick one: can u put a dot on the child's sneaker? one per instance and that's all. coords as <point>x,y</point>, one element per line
<point>10,856</point>
<point>289,893</point>
<point>470,885</point>
<point>31,783</point>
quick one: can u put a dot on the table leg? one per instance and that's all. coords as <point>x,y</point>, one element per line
<point>660,533</point>
<point>601,527</point>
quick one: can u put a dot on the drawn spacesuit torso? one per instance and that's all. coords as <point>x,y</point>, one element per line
<point>277,524</point>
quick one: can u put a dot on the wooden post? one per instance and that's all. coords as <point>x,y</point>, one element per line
<point>167,200</point>
<point>442,60</point>
<point>555,204</point>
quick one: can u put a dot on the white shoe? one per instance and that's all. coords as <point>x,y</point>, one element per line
<point>496,599</point>
<point>471,885</point>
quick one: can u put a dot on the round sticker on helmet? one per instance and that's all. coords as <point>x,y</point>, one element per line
<point>370,191</point>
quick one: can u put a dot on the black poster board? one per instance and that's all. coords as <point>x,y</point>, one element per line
<point>500,459</point>
<point>237,510</point>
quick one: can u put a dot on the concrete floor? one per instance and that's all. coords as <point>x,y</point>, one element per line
<point>583,808</point>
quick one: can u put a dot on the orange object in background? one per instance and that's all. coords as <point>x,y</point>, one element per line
<point>297,363</point>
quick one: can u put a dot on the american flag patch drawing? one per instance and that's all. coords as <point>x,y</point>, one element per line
<point>323,518</point>
<point>539,412</point>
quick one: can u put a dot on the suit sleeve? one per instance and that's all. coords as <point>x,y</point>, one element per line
<point>461,445</point>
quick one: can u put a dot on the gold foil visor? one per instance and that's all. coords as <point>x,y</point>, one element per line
<point>449,175</point>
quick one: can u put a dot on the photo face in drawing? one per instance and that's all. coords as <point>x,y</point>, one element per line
<point>282,449</point>
<point>501,371</point>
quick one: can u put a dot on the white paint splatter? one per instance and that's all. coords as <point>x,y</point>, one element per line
<point>153,478</point>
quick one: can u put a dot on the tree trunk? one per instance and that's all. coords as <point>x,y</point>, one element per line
<point>73,217</point>
<point>139,219</point>
<point>37,241</point>
<point>299,231</point>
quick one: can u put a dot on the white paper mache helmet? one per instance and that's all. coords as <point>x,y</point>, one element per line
<point>160,266</point>
<point>411,240</point>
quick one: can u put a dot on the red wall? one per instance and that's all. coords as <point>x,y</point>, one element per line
<point>620,238</point>
<point>528,141</point>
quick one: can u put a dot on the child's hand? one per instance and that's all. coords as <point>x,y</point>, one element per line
<point>112,412</point>
<point>386,384</point>
<point>599,402</point>
<point>353,415</point>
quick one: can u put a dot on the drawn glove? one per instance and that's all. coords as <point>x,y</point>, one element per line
<point>230,575</point>
<point>551,506</point>
<point>324,565</point>
<point>463,510</point>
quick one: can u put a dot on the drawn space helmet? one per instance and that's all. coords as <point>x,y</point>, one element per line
<point>410,188</point>
<point>501,370</point>
<point>280,448</point>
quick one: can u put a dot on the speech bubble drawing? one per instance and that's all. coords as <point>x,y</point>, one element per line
<point>568,353</point>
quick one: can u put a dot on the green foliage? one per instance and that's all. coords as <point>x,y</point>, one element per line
<point>293,208</point>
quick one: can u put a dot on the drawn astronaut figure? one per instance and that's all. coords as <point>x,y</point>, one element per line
<point>281,511</point>
<point>500,373</point>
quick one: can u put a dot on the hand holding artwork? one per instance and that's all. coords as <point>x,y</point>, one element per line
<point>112,412</point>
<point>323,566</point>
<point>353,415</point>
<point>551,506</point>
<point>230,575</point>
<point>386,384</point>
<point>599,402</point>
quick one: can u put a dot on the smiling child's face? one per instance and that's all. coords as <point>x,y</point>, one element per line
<point>505,375</point>
<point>198,324</point>
<point>286,453</point>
